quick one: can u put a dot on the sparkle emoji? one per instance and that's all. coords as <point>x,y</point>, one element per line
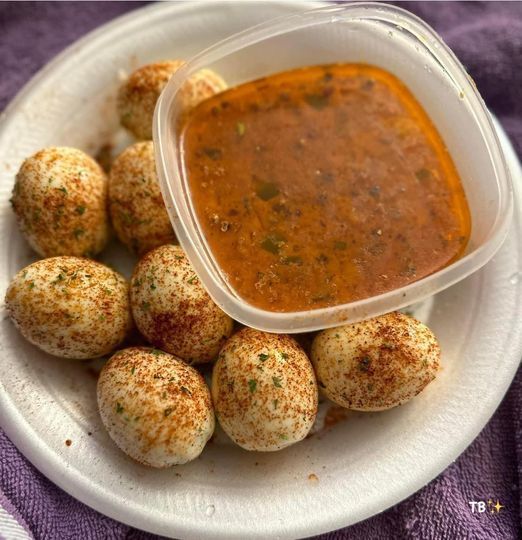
<point>495,508</point>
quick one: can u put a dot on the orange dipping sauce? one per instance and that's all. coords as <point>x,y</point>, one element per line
<point>323,185</point>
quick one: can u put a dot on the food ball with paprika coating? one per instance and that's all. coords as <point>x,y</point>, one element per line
<point>156,408</point>
<point>138,95</point>
<point>70,307</point>
<point>264,390</point>
<point>376,364</point>
<point>173,310</point>
<point>136,206</point>
<point>60,201</point>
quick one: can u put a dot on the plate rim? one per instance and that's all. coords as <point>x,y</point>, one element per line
<point>77,484</point>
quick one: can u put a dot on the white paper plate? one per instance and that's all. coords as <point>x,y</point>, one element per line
<point>363,465</point>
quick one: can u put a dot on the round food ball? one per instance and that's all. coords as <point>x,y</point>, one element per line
<point>136,206</point>
<point>156,408</point>
<point>59,199</point>
<point>138,95</point>
<point>172,309</point>
<point>375,364</point>
<point>264,390</point>
<point>70,307</point>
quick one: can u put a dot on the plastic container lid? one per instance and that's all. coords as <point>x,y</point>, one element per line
<point>370,33</point>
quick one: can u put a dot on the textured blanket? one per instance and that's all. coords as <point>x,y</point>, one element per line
<point>487,37</point>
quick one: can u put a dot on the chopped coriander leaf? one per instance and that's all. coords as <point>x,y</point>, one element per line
<point>269,245</point>
<point>241,128</point>
<point>364,364</point>
<point>119,408</point>
<point>80,210</point>
<point>145,306</point>
<point>277,382</point>
<point>275,403</point>
<point>192,279</point>
<point>127,218</point>
<point>185,390</point>
<point>292,259</point>
<point>273,243</point>
<point>266,190</point>
<point>263,357</point>
<point>317,101</point>
<point>63,190</point>
<point>78,233</point>
<point>213,153</point>
<point>252,384</point>
<point>59,278</point>
<point>375,191</point>
<point>423,174</point>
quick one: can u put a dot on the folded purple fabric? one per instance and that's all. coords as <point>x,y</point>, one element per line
<point>487,37</point>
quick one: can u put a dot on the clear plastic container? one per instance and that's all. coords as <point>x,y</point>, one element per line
<point>378,34</point>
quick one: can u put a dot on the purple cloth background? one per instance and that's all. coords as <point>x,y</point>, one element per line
<point>487,37</point>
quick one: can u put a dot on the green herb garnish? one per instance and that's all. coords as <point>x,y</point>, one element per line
<point>423,174</point>
<point>60,277</point>
<point>119,408</point>
<point>317,101</point>
<point>375,191</point>
<point>266,190</point>
<point>277,382</point>
<point>292,259</point>
<point>273,243</point>
<point>80,210</point>
<point>263,357</point>
<point>364,364</point>
<point>213,153</point>
<point>252,384</point>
